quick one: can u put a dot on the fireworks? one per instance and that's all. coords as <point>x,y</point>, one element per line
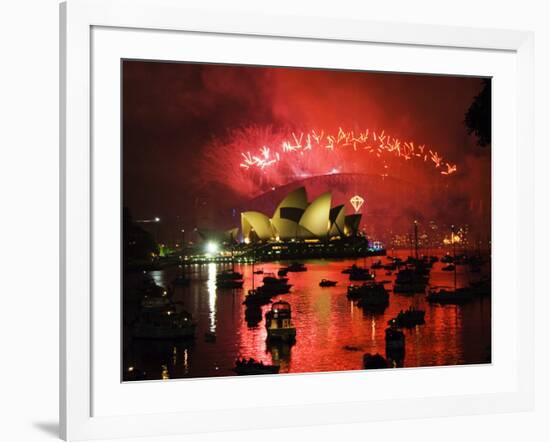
<point>377,144</point>
<point>253,160</point>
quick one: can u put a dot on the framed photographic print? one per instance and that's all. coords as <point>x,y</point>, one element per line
<point>323,221</point>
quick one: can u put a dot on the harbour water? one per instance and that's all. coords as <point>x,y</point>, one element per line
<point>332,332</point>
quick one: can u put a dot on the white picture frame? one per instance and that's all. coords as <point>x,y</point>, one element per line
<point>80,378</point>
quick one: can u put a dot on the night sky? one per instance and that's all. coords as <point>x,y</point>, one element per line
<point>186,126</point>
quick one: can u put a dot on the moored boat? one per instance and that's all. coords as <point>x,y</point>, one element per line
<point>327,283</point>
<point>229,283</point>
<point>395,340</point>
<point>408,318</point>
<point>253,367</point>
<point>375,361</point>
<point>456,296</point>
<point>278,322</point>
<point>297,267</point>
<point>283,271</point>
<point>360,274</point>
<point>165,324</point>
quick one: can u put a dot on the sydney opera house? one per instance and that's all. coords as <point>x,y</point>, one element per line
<point>297,219</point>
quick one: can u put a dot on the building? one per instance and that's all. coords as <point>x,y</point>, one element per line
<point>297,219</point>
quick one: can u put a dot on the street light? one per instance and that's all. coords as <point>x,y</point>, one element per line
<point>212,247</point>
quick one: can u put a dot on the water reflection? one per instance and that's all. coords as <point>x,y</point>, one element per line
<point>326,322</point>
<point>212,296</point>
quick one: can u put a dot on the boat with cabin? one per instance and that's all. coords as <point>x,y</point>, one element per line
<point>278,322</point>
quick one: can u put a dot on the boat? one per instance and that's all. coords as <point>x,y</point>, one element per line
<point>411,279</point>
<point>278,322</point>
<point>351,348</point>
<point>361,274</point>
<point>230,279</point>
<point>164,324</point>
<point>283,271</point>
<point>447,259</point>
<point>229,275</point>
<point>156,298</point>
<point>375,298</point>
<point>156,302</point>
<point>376,361</point>
<point>257,297</point>
<point>296,267</point>
<point>253,314</point>
<point>274,289</point>
<point>377,265</point>
<point>327,283</point>
<point>454,296</point>
<point>449,268</point>
<point>253,367</point>
<point>395,340</point>
<point>259,272</point>
<point>408,318</point>
<point>390,267</point>
<point>270,278</point>
<point>356,292</point>
<point>229,283</point>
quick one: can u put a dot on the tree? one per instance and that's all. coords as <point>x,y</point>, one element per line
<point>478,116</point>
<point>138,243</point>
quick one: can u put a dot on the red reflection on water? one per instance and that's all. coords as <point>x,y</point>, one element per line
<point>332,333</point>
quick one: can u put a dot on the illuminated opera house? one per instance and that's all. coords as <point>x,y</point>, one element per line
<point>296,219</point>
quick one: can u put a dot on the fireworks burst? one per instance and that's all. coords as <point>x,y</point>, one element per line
<point>370,142</point>
<point>253,160</point>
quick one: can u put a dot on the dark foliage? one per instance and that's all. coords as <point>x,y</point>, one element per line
<point>138,243</point>
<point>478,116</point>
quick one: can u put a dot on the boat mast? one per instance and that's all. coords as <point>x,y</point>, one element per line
<point>232,253</point>
<point>253,261</point>
<point>416,239</point>
<point>454,252</point>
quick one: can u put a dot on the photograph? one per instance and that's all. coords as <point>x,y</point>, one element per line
<point>293,220</point>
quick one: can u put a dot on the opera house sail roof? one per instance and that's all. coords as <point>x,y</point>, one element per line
<point>296,218</point>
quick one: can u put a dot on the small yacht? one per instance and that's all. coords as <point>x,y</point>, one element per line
<point>327,283</point>
<point>229,283</point>
<point>408,318</point>
<point>283,271</point>
<point>164,324</point>
<point>297,267</point>
<point>374,361</point>
<point>278,322</point>
<point>377,265</point>
<point>253,367</point>
<point>356,292</point>
<point>360,274</point>
<point>270,278</point>
<point>410,280</point>
<point>454,296</point>
<point>395,339</point>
